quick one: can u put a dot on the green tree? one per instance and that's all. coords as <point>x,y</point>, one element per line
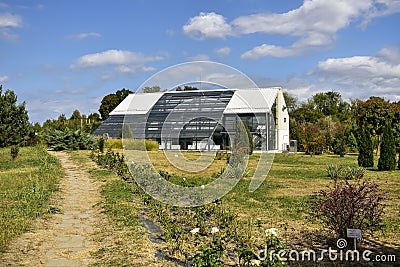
<point>75,121</point>
<point>291,101</point>
<point>108,104</point>
<point>339,144</point>
<point>373,114</point>
<point>94,122</point>
<point>122,94</point>
<point>189,88</point>
<point>151,89</point>
<point>365,149</point>
<point>14,120</point>
<point>387,159</point>
<point>111,101</point>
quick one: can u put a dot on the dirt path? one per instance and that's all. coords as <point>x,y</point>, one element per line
<point>63,239</point>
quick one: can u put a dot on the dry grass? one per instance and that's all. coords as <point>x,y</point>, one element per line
<point>26,185</point>
<point>282,201</point>
<point>123,240</point>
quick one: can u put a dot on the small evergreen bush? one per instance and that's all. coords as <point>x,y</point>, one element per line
<point>101,144</point>
<point>70,140</point>
<point>14,151</point>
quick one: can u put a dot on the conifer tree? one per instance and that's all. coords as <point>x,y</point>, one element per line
<point>387,159</point>
<point>365,149</point>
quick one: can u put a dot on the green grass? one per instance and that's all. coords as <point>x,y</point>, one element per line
<point>285,195</point>
<point>122,239</point>
<point>26,185</point>
<point>282,201</point>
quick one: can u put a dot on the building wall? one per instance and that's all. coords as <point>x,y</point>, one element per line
<point>282,123</point>
<point>147,119</point>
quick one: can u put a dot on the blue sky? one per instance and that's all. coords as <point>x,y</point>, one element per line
<point>64,55</point>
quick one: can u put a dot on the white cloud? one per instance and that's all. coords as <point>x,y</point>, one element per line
<point>314,24</point>
<point>382,8</point>
<point>3,79</point>
<point>199,57</point>
<point>207,25</point>
<point>114,57</point>
<point>85,35</point>
<point>319,16</point>
<point>8,20</point>
<point>268,50</point>
<point>363,75</point>
<point>223,52</point>
<point>133,69</point>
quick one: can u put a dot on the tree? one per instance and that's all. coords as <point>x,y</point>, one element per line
<point>111,101</point>
<point>122,94</point>
<point>339,144</point>
<point>189,88</point>
<point>94,122</point>
<point>75,121</point>
<point>373,114</point>
<point>365,149</point>
<point>151,89</point>
<point>14,120</point>
<point>291,101</point>
<point>387,159</point>
<point>108,104</point>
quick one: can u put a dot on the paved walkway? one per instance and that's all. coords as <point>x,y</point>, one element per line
<point>72,243</point>
<point>65,239</point>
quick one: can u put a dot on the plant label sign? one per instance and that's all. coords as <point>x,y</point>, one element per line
<point>354,233</point>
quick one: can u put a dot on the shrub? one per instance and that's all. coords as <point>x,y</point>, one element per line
<point>114,143</point>
<point>387,159</point>
<point>336,172</point>
<point>350,205</point>
<point>14,152</point>
<point>151,145</point>
<point>101,144</point>
<point>72,140</point>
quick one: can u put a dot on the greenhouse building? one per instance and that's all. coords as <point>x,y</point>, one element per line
<point>203,119</point>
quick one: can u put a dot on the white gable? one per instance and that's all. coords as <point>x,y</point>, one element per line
<point>257,100</point>
<point>136,104</point>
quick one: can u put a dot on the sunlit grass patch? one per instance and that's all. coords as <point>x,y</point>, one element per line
<point>26,185</point>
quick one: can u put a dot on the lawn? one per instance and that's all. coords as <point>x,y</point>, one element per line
<point>283,200</point>
<point>26,185</point>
